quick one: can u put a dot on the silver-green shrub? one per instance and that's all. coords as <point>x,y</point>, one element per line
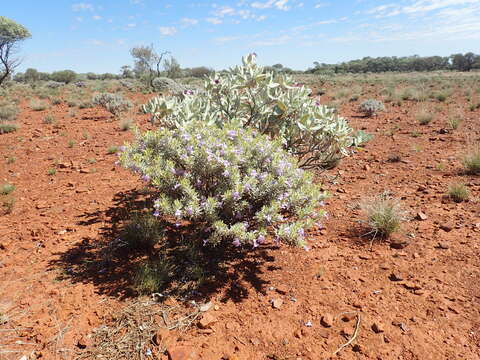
<point>114,103</point>
<point>371,107</point>
<point>167,85</point>
<point>270,102</point>
<point>233,183</point>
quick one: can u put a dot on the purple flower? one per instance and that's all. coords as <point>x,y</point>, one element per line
<point>178,224</point>
<point>179,172</point>
<point>226,173</point>
<point>146,178</point>
<point>301,232</point>
<point>317,103</point>
<point>306,248</point>
<point>254,54</point>
<point>122,148</point>
<point>231,134</point>
<point>236,242</point>
<point>178,213</point>
<point>189,211</point>
<point>255,243</point>
<point>261,239</point>
<point>217,81</point>
<point>205,242</point>
<point>326,215</point>
<point>236,195</point>
<point>156,213</point>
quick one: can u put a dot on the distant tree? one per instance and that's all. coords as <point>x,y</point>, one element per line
<point>107,76</point>
<point>147,62</point>
<point>92,76</point>
<point>172,68</point>
<point>200,71</point>
<point>126,72</point>
<point>31,75</point>
<point>11,34</point>
<point>66,76</point>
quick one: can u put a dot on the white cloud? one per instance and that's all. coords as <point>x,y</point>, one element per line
<point>96,17</point>
<point>82,7</point>
<point>416,7</point>
<point>279,4</point>
<point>320,5</point>
<point>167,30</point>
<point>189,22</point>
<point>214,21</point>
<point>131,25</point>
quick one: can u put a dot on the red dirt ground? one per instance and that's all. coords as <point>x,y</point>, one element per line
<point>431,312</point>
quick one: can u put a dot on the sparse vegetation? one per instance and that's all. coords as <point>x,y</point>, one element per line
<point>126,124</point>
<point>471,161</point>
<point>6,189</point>
<point>371,107</point>
<point>424,117</point>
<point>112,149</point>
<point>458,192</point>
<point>384,214</point>
<point>38,105</point>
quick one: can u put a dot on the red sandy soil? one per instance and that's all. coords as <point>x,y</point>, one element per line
<point>432,311</point>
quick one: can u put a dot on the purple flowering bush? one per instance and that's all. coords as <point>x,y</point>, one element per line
<point>270,102</point>
<point>236,185</point>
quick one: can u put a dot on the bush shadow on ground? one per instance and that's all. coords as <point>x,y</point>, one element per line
<point>187,271</point>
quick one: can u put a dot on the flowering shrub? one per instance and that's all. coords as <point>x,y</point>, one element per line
<point>113,103</point>
<point>236,185</point>
<point>270,102</point>
<point>371,107</point>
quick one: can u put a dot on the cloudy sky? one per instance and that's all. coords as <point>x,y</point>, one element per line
<point>96,35</point>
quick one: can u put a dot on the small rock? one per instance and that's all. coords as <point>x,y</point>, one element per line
<point>327,320</point>
<point>281,290</point>
<point>446,227</point>
<point>42,205</point>
<point>411,286</point>
<point>207,321</point>
<point>206,307</point>
<point>255,341</point>
<point>421,216</point>
<point>377,328</point>
<point>348,317</point>
<point>179,353</point>
<point>346,332</point>
<point>277,303</point>
<point>160,337</point>
<point>395,276</point>
<point>84,171</point>
<point>297,334</point>
<point>398,243</point>
<point>216,308</point>
<point>442,245</point>
<point>357,348</point>
<point>386,339</point>
<point>82,343</point>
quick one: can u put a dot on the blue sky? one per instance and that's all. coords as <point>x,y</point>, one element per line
<point>96,35</point>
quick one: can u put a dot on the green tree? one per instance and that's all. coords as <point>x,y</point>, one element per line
<point>31,75</point>
<point>147,62</point>
<point>172,68</point>
<point>11,34</point>
<point>66,76</point>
